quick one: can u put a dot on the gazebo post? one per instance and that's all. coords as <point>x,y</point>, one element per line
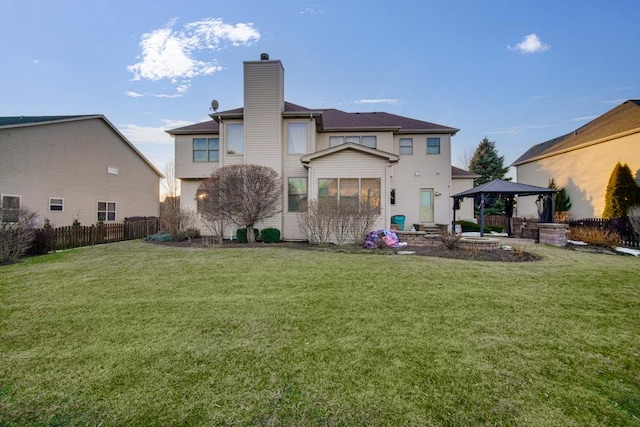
<point>481,214</point>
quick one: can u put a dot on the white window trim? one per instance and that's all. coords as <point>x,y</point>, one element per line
<point>51,204</point>
<point>106,212</point>
<point>2,196</point>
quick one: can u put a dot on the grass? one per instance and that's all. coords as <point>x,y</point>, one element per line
<point>141,334</point>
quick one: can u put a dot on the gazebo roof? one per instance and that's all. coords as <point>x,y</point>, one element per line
<point>500,186</point>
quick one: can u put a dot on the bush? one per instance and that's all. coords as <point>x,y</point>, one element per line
<point>271,235</point>
<point>470,227</point>
<point>450,240</point>
<point>241,234</point>
<point>16,237</point>
<point>594,236</point>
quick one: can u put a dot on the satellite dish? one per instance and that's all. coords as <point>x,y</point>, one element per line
<point>214,105</point>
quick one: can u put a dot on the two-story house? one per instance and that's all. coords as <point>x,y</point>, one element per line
<point>401,164</point>
<point>67,168</point>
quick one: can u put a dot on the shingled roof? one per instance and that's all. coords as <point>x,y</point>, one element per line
<point>31,120</point>
<point>622,119</point>
<point>332,120</point>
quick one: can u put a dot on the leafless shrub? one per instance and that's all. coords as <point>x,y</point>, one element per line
<point>450,240</point>
<point>16,235</point>
<point>362,218</point>
<point>594,236</point>
<point>328,219</point>
<point>316,219</point>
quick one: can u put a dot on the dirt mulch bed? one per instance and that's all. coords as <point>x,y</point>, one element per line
<point>475,255</point>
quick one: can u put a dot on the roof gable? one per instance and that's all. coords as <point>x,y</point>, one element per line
<point>390,157</point>
<point>623,118</point>
<point>24,121</point>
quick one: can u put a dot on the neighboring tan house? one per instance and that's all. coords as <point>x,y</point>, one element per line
<point>74,167</point>
<point>400,164</point>
<point>582,161</point>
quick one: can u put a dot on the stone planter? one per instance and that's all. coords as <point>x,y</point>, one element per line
<point>553,234</point>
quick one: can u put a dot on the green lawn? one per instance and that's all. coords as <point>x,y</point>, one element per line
<point>142,334</point>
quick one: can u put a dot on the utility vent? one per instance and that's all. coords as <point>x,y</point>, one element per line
<point>264,57</point>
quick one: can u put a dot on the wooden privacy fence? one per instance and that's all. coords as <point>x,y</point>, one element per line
<point>622,226</point>
<point>527,227</point>
<point>74,237</point>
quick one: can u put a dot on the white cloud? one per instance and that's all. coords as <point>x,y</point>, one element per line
<point>530,44</point>
<point>174,54</point>
<point>133,94</point>
<point>149,134</point>
<point>583,118</point>
<point>313,9</point>
<point>164,95</point>
<point>377,101</point>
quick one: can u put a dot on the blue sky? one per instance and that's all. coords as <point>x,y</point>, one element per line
<point>516,71</point>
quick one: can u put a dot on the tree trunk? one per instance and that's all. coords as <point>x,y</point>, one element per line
<point>251,238</point>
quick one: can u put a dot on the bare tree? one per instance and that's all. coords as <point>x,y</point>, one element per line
<point>16,234</point>
<point>209,207</point>
<point>173,219</point>
<point>244,194</point>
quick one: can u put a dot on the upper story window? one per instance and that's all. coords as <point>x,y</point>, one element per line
<point>368,141</point>
<point>206,149</point>
<point>56,204</point>
<point>106,211</point>
<point>235,139</point>
<point>9,208</point>
<point>406,146</point>
<point>298,136</point>
<point>433,145</point>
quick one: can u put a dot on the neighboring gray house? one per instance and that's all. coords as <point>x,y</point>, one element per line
<point>401,165</point>
<point>74,167</point>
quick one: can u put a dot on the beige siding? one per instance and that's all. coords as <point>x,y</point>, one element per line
<point>185,167</point>
<point>263,106</point>
<point>584,173</point>
<point>292,167</point>
<point>422,171</point>
<point>352,164</point>
<point>69,161</point>
<point>459,185</point>
<point>384,140</point>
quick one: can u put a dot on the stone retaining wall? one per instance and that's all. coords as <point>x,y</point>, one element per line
<point>553,234</point>
<point>419,239</point>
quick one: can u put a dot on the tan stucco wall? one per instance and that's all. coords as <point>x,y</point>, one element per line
<point>69,161</point>
<point>584,173</point>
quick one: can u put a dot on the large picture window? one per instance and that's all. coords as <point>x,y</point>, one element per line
<point>106,211</point>
<point>297,193</point>
<point>9,208</point>
<point>206,149</point>
<point>297,135</point>
<point>366,190</point>
<point>433,145</point>
<point>235,139</point>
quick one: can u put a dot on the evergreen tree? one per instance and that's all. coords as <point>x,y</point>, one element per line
<point>561,200</point>
<point>622,192</point>
<point>489,165</point>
